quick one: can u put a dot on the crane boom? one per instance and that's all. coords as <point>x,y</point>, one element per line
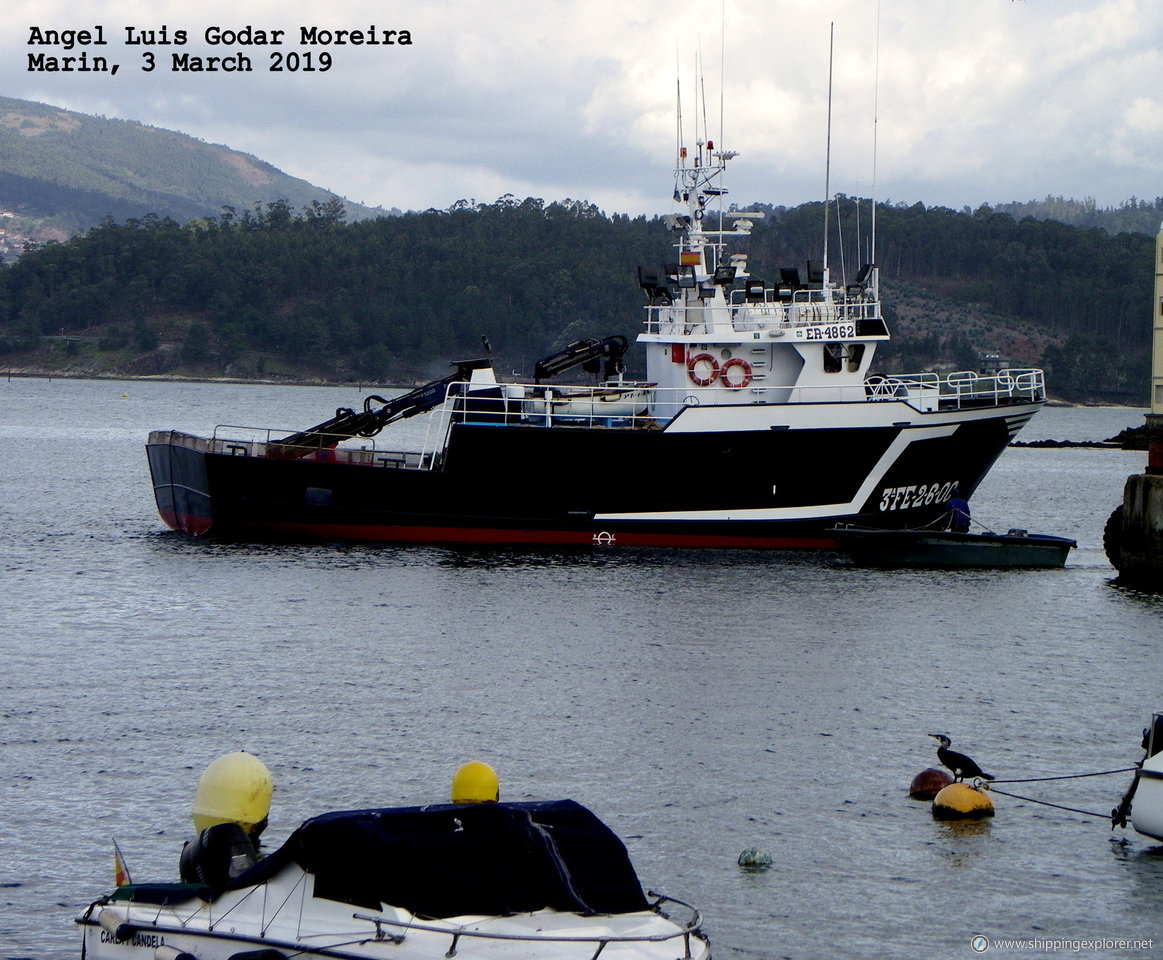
<point>371,420</point>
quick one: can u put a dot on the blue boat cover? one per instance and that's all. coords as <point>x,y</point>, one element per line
<point>450,860</point>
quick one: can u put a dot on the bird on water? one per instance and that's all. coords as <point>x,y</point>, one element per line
<point>961,765</point>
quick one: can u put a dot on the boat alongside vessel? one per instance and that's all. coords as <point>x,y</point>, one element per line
<point>1143,801</point>
<point>760,422</point>
<point>948,549</point>
<point>483,881</point>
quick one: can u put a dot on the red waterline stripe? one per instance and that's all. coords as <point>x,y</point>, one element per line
<point>503,535</point>
<point>189,523</point>
<point>185,522</point>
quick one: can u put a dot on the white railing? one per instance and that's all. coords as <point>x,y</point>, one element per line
<point>685,930</point>
<point>628,406</point>
<point>127,919</point>
<point>961,389</point>
<point>804,308</point>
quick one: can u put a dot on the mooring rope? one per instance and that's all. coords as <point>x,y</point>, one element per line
<point>1057,806</point>
<point>1046,803</point>
<point>1069,776</point>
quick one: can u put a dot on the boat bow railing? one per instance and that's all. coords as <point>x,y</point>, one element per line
<point>122,924</point>
<point>690,927</point>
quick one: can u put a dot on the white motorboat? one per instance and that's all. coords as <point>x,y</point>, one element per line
<point>1143,801</point>
<point>484,881</point>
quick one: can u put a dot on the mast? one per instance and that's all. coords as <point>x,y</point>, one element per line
<point>828,155</point>
<point>1156,414</point>
<point>875,121</point>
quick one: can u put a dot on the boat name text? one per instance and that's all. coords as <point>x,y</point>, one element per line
<point>150,940</point>
<point>833,331</point>
<point>917,495</point>
<point>143,41</point>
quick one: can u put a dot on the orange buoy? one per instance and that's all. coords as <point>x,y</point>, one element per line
<point>960,801</point>
<point>928,783</point>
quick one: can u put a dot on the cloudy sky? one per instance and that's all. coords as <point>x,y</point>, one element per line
<point>975,101</point>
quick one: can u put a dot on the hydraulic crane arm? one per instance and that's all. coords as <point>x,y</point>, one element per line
<point>586,353</point>
<point>372,419</point>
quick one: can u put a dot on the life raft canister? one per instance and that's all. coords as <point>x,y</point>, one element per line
<point>733,363</point>
<point>702,358</point>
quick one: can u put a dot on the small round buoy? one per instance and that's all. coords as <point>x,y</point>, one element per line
<point>235,788</point>
<point>752,859</point>
<point>960,801</point>
<point>124,396</point>
<point>475,782</point>
<point>928,783</point>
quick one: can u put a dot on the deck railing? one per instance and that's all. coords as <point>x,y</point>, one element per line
<point>690,927</point>
<point>629,406</point>
<point>766,311</point>
<point>125,920</point>
<point>242,441</point>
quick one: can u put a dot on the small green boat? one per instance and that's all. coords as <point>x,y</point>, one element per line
<point>868,547</point>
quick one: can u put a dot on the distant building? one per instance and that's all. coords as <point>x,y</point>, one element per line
<point>992,362</point>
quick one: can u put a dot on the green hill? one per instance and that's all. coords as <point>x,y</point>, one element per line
<point>63,172</point>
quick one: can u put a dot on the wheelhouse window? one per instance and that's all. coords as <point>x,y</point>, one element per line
<point>836,355</point>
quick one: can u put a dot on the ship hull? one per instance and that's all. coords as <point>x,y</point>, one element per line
<point>694,484</point>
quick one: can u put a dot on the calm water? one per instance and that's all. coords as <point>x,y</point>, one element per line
<point>701,703</point>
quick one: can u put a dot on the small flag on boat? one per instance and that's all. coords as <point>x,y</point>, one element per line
<point>690,259</point>
<point>121,875</point>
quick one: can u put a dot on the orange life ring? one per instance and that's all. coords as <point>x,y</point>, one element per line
<point>696,359</point>
<point>735,362</point>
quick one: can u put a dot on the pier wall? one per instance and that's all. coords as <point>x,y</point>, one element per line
<point>1141,544</point>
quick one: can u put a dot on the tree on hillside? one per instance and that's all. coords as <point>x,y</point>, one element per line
<point>396,295</point>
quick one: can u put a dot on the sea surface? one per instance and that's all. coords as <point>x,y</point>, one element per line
<point>702,703</point>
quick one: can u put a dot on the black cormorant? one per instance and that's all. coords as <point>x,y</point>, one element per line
<point>961,765</point>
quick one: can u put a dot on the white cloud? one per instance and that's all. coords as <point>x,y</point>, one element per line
<point>1144,116</point>
<point>979,100</point>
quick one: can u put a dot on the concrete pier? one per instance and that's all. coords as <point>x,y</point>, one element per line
<point>1134,533</point>
<point>1139,553</point>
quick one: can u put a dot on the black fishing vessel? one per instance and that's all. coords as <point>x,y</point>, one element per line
<point>758,424</point>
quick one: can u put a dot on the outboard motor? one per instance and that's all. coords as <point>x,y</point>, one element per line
<point>217,855</point>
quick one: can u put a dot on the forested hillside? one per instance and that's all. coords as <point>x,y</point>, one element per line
<point>270,291</point>
<point>1130,216</point>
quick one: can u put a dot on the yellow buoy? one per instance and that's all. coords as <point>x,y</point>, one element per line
<point>475,782</point>
<point>235,788</point>
<point>960,801</point>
